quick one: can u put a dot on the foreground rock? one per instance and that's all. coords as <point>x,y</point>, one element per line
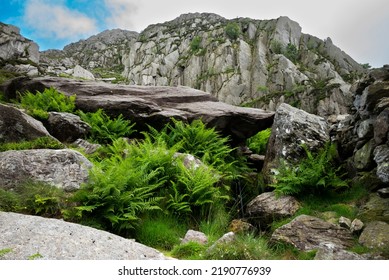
<point>52,239</point>
<point>291,129</point>
<point>308,233</point>
<point>376,236</point>
<point>375,209</point>
<point>67,127</point>
<point>66,169</point>
<point>153,105</point>
<point>333,253</point>
<point>266,208</point>
<point>16,126</point>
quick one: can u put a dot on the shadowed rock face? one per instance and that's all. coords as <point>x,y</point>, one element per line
<point>154,105</point>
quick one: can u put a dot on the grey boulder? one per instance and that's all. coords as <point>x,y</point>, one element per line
<point>50,239</point>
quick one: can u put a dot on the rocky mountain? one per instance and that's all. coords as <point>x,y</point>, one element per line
<point>101,53</point>
<point>256,63</point>
<point>259,63</point>
<point>17,53</point>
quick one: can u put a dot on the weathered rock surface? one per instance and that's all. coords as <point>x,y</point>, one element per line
<point>292,128</point>
<point>308,233</point>
<point>82,73</point>
<point>376,236</point>
<point>333,253</point>
<point>16,126</point>
<point>67,127</point>
<point>87,147</point>
<point>375,209</point>
<point>15,47</point>
<point>381,157</point>
<point>266,208</point>
<point>194,236</point>
<point>155,105</point>
<point>52,239</point>
<point>241,226</point>
<point>66,169</point>
<point>252,67</point>
<point>356,226</point>
<point>104,50</point>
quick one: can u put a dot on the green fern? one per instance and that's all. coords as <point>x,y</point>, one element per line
<point>104,129</point>
<point>258,142</point>
<point>50,100</point>
<point>314,174</point>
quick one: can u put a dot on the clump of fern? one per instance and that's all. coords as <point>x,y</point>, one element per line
<point>50,100</point>
<point>146,176</point>
<point>315,174</point>
<point>258,142</point>
<point>104,129</point>
<point>204,143</point>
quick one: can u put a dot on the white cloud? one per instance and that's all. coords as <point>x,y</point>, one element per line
<point>121,12</point>
<point>57,21</point>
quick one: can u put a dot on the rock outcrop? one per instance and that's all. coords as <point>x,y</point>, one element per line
<point>293,128</point>
<point>309,233</point>
<point>262,63</point>
<point>101,52</point>
<point>17,53</point>
<point>66,169</point>
<point>259,63</point>
<point>52,239</point>
<point>155,105</point>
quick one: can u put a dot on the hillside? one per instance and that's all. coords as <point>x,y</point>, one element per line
<point>256,63</point>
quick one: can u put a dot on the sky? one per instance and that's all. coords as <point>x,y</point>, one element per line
<point>358,27</point>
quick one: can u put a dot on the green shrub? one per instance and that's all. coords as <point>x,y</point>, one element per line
<point>161,232</point>
<point>258,142</point>
<point>45,142</point>
<point>104,129</point>
<point>244,247</point>
<point>195,44</point>
<point>189,251</point>
<point>276,47</point>
<point>291,52</point>
<point>39,104</point>
<point>34,198</point>
<point>232,30</point>
<point>314,174</point>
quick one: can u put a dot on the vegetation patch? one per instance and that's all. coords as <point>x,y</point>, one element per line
<point>45,142</point>
<point>104,129</point>
<point>258,142</point>
<point>39,104</point>
<point>314,174</point>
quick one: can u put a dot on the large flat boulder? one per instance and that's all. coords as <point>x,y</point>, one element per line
<point>66,169</point>
<point>52,239</point>
<point>153,105</point>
